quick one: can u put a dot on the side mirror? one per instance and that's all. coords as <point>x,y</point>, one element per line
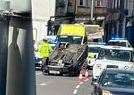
<point>95,56</point>
<point>95,83</point>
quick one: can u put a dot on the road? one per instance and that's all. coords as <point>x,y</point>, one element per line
<point>60,85</point>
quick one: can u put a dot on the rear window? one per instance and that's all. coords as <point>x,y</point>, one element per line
<point>94,49</point>
<point>117,43</point>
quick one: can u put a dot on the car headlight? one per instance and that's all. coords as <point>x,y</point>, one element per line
<point>60,63</point>
<point>98,66</point>
<point>105,92</point>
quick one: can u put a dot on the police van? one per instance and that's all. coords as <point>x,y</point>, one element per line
<point>113,57</point>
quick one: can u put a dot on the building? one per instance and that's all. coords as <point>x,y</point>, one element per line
<point>119,13</point>
<point>100,11</point>
<point>64,11</point>
<point>42,10</point>
<point>80,11</point>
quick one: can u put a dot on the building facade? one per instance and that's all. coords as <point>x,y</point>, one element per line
<point>80,10</point>
<point>119,14</point>
<point>42,10</point>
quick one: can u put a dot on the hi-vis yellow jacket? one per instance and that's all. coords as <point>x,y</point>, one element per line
<point>44,50</point>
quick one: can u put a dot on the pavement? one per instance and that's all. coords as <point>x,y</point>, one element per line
<point>61,85</point>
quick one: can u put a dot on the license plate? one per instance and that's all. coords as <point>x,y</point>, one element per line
<point>54,72</point>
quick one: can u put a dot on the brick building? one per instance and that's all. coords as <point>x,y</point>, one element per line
<point>71,11</point>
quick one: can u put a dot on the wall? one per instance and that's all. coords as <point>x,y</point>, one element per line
<point>42,10</point>
<point>20,5</point>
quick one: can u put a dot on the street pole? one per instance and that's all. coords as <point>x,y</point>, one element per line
<point>4,27</point>
<point>4,24</point>
<point>21,69</point>
<point>75,10</point>
<point>121,19</point>
<point>92,10</point>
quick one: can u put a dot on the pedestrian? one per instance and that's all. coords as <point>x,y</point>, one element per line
<point>44,51</point>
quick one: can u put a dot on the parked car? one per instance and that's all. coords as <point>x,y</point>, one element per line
<point>115,82</point>
<point>38,61</point>
<point>113,56</point>
<point>52,40</point>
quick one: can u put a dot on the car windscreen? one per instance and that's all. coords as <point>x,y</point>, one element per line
<point>117,43</point>
<point>113,54</point>
<point>70,39</point>
<point>93,49</point>
<point>118,79</point>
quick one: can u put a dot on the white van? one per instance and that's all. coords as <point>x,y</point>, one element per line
<point>113,57</point>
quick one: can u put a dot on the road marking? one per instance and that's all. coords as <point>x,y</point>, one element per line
<point>77,86</point>
<point>81,82</point>
<point>42,84</point>
<point>86,80</point>
<point>75,92</point>
<point>76,89</point>
<point>39,73</point>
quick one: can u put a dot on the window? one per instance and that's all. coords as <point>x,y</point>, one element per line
<point>81,2</point>
<point>118,3</point>
<point>98,3</point>
<point>113,54</point>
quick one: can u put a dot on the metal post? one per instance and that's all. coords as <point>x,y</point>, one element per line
<point>75,10</point>
<point>4,24</point>
<point>92,9</point>
<point>121,18</point>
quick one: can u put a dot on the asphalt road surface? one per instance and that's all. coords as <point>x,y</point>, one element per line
<point>60,85</point>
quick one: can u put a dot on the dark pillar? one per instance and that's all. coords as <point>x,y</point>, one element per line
<point>121,18</point>
<point>4,24</point>
<point>21,70</point>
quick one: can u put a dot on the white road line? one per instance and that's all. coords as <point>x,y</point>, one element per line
<point>42,84</point>
<point>75,92</point>
<point>38,73</point>
<point>81,83</point>
<point>77,86</point>
<point>86,80</point>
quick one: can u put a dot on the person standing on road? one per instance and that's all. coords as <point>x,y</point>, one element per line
<point>44,51</point>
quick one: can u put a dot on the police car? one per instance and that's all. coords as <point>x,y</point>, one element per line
<point>113,57</point>
<point>119,42</point>
<point>115,82</point>
<point>52,40</point>
<point>93,51</point>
